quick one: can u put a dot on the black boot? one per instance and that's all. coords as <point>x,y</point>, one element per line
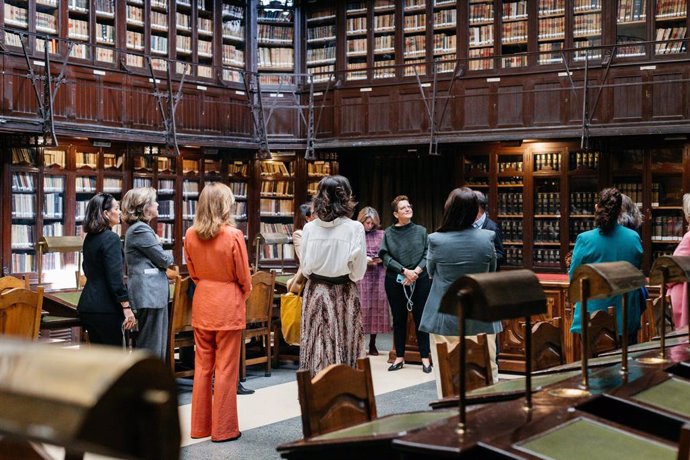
<point>241,390</point>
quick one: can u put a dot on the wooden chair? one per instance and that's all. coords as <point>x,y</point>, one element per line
<point>259,309</point>
<point>547,344</point>
<point>180,331</point>
<point>603,332</point>
<point>337,397</point>
<point>11,282</point>
<point>20,312</point>
<point>478,366</point>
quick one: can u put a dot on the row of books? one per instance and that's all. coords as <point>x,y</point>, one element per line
<point>238,169</point>
<point>85,184</point>
<point>277,188</point>
<point>357,46</point>
<point>166,186</point>
<point>86,160</point>
<point>23,206</point>
<point>325,54</point>
<point>165,231</point>
<point>22,236</point>
<point>270,207</point>
<point>277,252</point>
<point>671,8</point>
<point>550,28</point>
<point>112,185</point>
<point>280,58</point>
<point>53,229</point>
<point>587,24</point>
<point>190,188</point>
<point>166,209</point>
<point>356,25</point>
<point>514,32</point>
<point>240,211</point>
<point>414,22</point>
<point>267,33</point>
<point>444,43</point>
<point>321,32</point>
<point>515,10</point>
<point>672,40</point>
<point>267,227</point>
<point>239,189</point>
<point>189,209</point>
<point>631,10</point>
<point>233,29</point>
<point>23,182</point>
<point>53,206</point>
<point>275,168</point>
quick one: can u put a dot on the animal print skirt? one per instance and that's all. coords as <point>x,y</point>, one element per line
<point>331,330</point>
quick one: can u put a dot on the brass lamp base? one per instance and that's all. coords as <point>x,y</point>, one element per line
<point>569,393</point>
<point>653,360</point>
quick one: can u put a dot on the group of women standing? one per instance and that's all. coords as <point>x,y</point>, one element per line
<point>106,317</point>
<point>415,268</point>
<point>216,256</point>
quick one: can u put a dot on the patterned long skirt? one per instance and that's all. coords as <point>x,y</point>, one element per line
<point>331,330</point>
<point>372,295</point>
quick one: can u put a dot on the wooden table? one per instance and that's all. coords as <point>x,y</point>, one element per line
<point>638,416</point>
<point>367,440</point>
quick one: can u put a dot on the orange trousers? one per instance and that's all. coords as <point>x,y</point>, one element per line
<point>214,403</point>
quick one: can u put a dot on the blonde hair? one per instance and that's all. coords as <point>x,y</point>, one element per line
<point>369,213</point>
<point>213,210</point>
<point>135,202</point>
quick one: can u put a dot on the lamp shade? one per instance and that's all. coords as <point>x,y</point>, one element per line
<point>678,269</point>
<point>97,399</point>
<point>606,279</point>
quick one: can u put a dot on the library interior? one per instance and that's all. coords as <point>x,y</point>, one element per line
<point>543,106</point>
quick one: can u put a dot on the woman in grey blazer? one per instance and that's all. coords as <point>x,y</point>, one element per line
<point>456,249</point>
<point>147,283</point>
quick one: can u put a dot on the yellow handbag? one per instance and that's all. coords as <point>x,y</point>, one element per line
<point>291,317</point>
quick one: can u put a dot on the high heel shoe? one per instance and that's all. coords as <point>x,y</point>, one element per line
<point>396,367</point>
<point>426,369</point>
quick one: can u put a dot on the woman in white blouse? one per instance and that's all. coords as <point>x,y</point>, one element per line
<point>334,257</point>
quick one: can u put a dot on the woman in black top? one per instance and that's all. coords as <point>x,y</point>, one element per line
<point>407,283</point>
<point>103,304</point>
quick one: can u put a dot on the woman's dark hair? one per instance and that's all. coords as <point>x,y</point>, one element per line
<point>334,199</point>
<point>460,210</point>
<point>608,209</point>
<point>94,220</point>
<point>305,211</point>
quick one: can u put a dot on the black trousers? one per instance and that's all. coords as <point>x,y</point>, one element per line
<point>398,303</point>
<point>103,328</point>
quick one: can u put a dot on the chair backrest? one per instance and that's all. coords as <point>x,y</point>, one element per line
<point>603,332</point>
<point>260,301</point>
<point>478,365</point>
<point>547,344</point>
<point>20,312</point>
<point>11,282</point>
<point>181,314</point>
<point>337,397</point>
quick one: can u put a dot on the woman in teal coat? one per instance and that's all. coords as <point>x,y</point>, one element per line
<point>609,242</point>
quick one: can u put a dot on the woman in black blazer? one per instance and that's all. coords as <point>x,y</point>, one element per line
<point>103,304</point>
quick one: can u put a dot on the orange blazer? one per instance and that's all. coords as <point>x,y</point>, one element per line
<point>220,269</point>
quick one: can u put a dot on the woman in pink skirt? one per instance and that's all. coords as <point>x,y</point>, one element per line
<point>372,295</point>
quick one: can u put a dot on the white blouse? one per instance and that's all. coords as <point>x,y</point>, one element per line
<point>334,249</point>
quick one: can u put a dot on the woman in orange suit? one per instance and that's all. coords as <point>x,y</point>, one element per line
<point>217,262</point>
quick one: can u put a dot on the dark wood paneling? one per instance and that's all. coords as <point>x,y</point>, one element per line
<point>143,108</point>
<point>667,96</point>
<point>476,105</point>
<point>235,116</point>
<point>187,114</point>
<point>413,113</point>
<point>209,115</point>
<point>323,115</point>
<point>627,98</point>
<point>510,106</point>
<point>112,101</point>
<point>22,99</point>
<point>547,103</point>
<point>574,107</point>
<point>353,115</point>
<point>282,122</point>
<point>84,93</point>
<point>382,114</point>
